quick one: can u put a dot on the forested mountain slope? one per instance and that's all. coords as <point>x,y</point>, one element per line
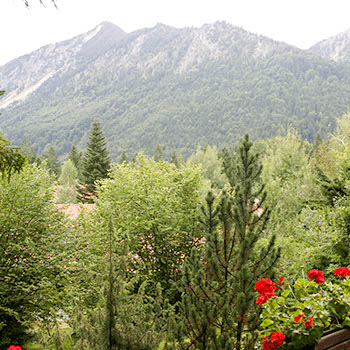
<point>175,87</point>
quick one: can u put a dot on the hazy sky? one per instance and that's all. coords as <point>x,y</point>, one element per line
<point>298,22</point>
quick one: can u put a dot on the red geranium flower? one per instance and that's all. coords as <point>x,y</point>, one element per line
<point>265,285</point>
<point>302,317</point>
<point>14,347</point>
<point>342,272</point>
<point>280,281</point>
<point>316,275</point>
<point>266,289</point>
<point>310,323</point>
<point>262,299</point>
<point>297,318</point>
<point>276,339</point>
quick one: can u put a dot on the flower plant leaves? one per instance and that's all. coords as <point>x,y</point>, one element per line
<point>304,311</point>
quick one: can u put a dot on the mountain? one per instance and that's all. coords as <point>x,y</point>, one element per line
<point>336,48</point>
<point>175,87</point>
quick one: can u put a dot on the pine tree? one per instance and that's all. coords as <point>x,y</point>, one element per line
<point>229,161</point>
<point>28,151</point>
<point>218,301</point>
<point>175,160</point>
<point>95,164</point>
<point>158,154</point>
<point>76,157</point>
<point>53,164</point>
<point>110,335</point>
<point>123,158</point>
<point>125,316</point>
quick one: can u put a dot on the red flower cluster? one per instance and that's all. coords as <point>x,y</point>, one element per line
<point>342,272</point>
<point>280,281</point>
<point>310,323</point>
<point>276,339</point>
<point>14,347</point>
<point>266,289</point>
<point>316,275</point>
<point>302,317</point>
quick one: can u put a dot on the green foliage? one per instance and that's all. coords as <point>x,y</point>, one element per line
<point>334,177</point>
<point>31,265</point>
<point>69,174</point>
<point>10,159</point>
<point>156,204</point>
<point>52,162</point>
<point>211,166</point>
<point>111,309</point>
<point>319,219</point>
<point>96,163</point>
<point>46,267</point>
<point>219,309</point>
<point>123,158</point>
<point>66,192</point>
<point>177,160</point>
<point>137,321</point>
<point>28,151</point>
<point>288,172</point>
<point>54,335</point>
<point>158,154</point>
<point>76,157</point>
<point>327,232</point>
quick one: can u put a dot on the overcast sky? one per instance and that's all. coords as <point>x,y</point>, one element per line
<point>299,22</point>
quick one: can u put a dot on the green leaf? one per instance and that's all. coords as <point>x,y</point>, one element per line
<point>285,293</point>
<point>274,305</point>
<point>266,323</point>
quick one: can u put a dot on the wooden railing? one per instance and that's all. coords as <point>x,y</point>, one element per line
<point>335,340</point>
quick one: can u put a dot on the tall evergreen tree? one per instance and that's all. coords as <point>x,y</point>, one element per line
<point>158,154</point>
<point>53,163</point>
<point>175,160</point>
<point>123,158</point>
<point>95,164</point>
<point>76,157</point>
<point>28,151</point>
<point>109,329</point>
<point>218,300</point>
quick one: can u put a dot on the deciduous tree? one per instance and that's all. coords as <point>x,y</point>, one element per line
<point>67,181</point>
<point>11,160</point>
<point>31,238</point>
<point>156,203</point>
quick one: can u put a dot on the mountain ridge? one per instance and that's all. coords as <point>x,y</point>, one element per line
<point>172,86</point>
<point>110,28</point>
<point>336,47</point>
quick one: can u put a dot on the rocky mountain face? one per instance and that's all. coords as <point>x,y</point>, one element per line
<point>175,87</point>
<point>336,48</point>
<point>24,75</point>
